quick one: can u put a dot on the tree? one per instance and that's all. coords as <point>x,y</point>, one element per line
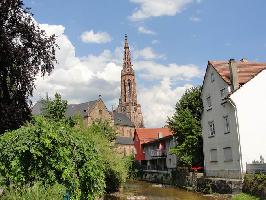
<point>25,52</point>
<point>54,109</point>
<point>185,124</point>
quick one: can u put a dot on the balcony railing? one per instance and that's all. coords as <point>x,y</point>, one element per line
<point>158,153</point>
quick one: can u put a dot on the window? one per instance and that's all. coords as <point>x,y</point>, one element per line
<point>212,128</point>
<point>212,77</point>
<point>209,103</point>
<point>228,156</point>
<point>100,112</point>
<point>226,124</point>
<point>222,91</point>
<point>213,155</point>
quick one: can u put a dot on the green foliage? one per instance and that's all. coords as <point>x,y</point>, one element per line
<point>115,168</point>
<point>133,166</point>
<point>185,123</point>
<point>104,128</point>
<point>255,184</point>
<point>179,176</point>
<point>25,51</point>
<point>52,152</point>
<point>54,109</point>
<point>37,191</point>
<point>243,196</point>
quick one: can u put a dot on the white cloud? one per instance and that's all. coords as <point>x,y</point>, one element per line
<point>147,54</point>
<point>162,99</point>
<point>81,79</point>
<point>156,8</point>
<point>144,30</point>
<point>151,70</point>
<point>91,37</point>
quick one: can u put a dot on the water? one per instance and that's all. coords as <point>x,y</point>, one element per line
<point>154,192</point>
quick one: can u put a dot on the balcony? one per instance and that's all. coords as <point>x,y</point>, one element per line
<point>158,153</point>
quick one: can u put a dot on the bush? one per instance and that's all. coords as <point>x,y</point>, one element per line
<point>115,168</point>
<point>255,184</point>
<point>244,196</point>
<point>37,191</point>
<point>52,152</point>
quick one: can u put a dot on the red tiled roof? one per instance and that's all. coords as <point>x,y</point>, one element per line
<point>246,70</point>
<point>149,134</point>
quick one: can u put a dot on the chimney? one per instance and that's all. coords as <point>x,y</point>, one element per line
<point>244,60</point>
<point>233,75</point>
<point>160,135</point>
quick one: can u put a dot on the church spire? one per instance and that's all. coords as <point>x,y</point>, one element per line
<point>127,58</point>
<point>128,100</point>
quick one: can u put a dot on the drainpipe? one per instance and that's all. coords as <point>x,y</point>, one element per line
<point>238,136</point>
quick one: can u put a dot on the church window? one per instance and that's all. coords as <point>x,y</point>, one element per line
<point>125,92</point>
<point>129,89</point>
<point>100,112</point>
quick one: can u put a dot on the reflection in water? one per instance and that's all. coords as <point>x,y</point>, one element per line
<point>155,192</point>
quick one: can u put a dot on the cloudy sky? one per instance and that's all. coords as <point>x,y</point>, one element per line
<point>171,42</point>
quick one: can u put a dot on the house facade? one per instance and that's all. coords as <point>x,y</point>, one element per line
<point>224,150</point>
<point>145,135</point>
<point>158,155</point>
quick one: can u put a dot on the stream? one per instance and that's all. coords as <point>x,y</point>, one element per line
<point>143,190</point>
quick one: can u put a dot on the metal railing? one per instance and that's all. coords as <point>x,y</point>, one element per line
<point>158,153</point>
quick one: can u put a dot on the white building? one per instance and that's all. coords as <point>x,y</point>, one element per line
<point>233,121</point>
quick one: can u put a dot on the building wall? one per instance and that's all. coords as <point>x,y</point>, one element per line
<point>125,150</point>
<point>250,101</point>
<point>221,140</point>
<point>170,159</point>
<point>125,131</point>
<point>99,112</point>
<point>139,154</point>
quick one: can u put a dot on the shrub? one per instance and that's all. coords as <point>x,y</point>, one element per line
<point>52,152</point>
<point>244,196</point>
<point>115,168</point>
<point>37,191</point>
<point>255,184</point>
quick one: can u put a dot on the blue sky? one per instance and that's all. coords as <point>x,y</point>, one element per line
<point>171,42</point>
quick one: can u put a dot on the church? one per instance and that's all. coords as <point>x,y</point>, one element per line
<point>126,117</point>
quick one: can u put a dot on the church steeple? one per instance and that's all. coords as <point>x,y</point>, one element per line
<point>128,99</point>
<point>127,66</point>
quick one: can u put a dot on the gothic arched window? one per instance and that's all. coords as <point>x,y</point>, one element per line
<point>129,89</point>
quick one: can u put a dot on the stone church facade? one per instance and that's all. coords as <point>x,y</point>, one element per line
<point>128,100</point>
<point>128,110</point>
<point>125,118</point>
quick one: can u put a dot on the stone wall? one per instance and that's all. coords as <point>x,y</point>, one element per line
<point>125,131</point>
<point>193,181</point>
<point>218,185</point>
<point>99,112</point>
<point>125,150</point>
<point>163,177</point>
<point>232,174</point>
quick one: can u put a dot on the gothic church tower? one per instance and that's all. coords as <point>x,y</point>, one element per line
<point>128,100</point>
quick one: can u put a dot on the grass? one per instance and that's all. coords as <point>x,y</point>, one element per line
<point>37,191</point>
<point>243,196</point>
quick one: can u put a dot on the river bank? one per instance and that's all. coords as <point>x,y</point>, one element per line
<point>143,190</point>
